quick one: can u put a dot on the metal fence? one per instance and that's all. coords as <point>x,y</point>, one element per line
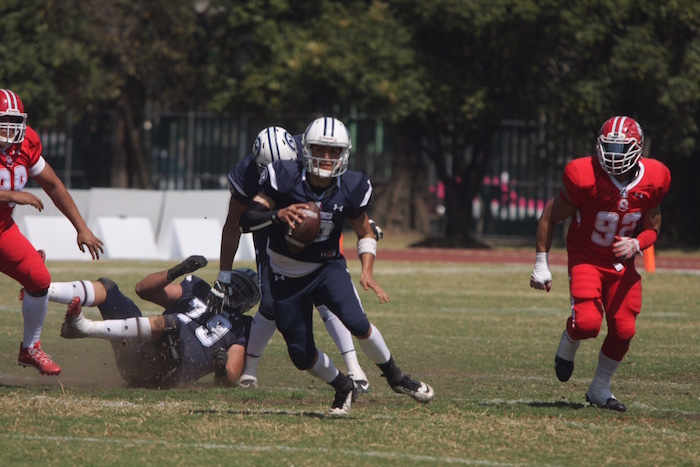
<point>195,150</point>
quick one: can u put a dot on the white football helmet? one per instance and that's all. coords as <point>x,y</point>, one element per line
<point>273,144</point>
<point>620,143</point>
<point>13,120</point>
<point>326,131</point>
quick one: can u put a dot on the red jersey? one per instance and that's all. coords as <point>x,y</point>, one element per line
<point>607,208</point>
<point>17,164</point>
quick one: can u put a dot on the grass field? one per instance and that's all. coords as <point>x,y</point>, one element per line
<point>478,334</point>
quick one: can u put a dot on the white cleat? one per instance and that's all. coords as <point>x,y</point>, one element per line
<point>360,379</point>
<point>248,382</point>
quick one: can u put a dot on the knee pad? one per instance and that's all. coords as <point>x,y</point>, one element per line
<point>108,284</point>
<point>302,359</point>
<point>587,319</point>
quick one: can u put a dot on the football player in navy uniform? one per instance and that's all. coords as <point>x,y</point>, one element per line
<point>203,329</point>
<point>318,273</point>
<point>272,144</point>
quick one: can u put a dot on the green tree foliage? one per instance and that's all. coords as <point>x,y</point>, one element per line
<point>481,62</point>
<point>313,57</point>
<point>29,54</point>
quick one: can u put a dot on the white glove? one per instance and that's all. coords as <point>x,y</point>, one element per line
<point>541,278</point>
<point>626,247</point>
<point>216,298</point>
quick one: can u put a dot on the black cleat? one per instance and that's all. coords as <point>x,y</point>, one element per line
<point>342,402</point>
<point>563,368</point>
<point>610,404</point>
<point>420,391</point>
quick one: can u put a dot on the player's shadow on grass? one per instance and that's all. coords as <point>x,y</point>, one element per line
<point>261,412</point>
<point>556,405</point>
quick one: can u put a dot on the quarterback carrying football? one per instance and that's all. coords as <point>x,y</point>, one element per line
<point>272,144</point>
<point>319,272</point>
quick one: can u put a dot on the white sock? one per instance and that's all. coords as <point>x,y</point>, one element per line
<point>261,331</point>
<point>138,329</point>
<point>375,347</point>
<point>567,347</point>
<point>34,312</point>
<point>342,338</point>
<point>324,368</point>
<point>64,292</point>
<point>599,391</point>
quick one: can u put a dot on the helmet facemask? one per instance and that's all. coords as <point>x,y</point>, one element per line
<point>243,292</point>
<point>314,164</point>
<point>618,156</point>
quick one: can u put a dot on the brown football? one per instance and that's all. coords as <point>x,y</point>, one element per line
<point>305,233</point>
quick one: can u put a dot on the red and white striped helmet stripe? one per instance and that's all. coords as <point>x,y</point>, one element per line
<point>11,98</point>
<point>618,124</point>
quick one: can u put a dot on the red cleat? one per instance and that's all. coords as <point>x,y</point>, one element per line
<point>36,357</point>
<point>71,327</point>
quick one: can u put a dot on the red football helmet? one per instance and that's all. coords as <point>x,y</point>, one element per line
<point>620,144</point>
<point>13,120</point>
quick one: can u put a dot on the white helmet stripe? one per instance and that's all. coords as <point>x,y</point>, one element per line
<point>619,124</point>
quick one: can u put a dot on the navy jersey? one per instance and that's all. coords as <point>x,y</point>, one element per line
<point>201,331</point>
<point>348,196</point>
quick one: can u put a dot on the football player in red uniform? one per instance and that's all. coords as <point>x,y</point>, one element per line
<point>20,158</point>
<point>613,200</point>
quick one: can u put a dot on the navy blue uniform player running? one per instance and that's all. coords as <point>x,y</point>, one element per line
<point>271,144</point>
<point>319,273</point>
<point>201,331</point>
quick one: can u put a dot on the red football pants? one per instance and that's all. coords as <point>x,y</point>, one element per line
<point>596,290</point>
<point>20,261</point>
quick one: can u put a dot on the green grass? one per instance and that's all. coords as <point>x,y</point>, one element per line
<point>478,334</point>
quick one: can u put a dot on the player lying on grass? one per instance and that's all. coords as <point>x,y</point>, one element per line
<point>202,330</point>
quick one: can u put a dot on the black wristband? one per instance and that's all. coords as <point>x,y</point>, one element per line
<point>256,217</point>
